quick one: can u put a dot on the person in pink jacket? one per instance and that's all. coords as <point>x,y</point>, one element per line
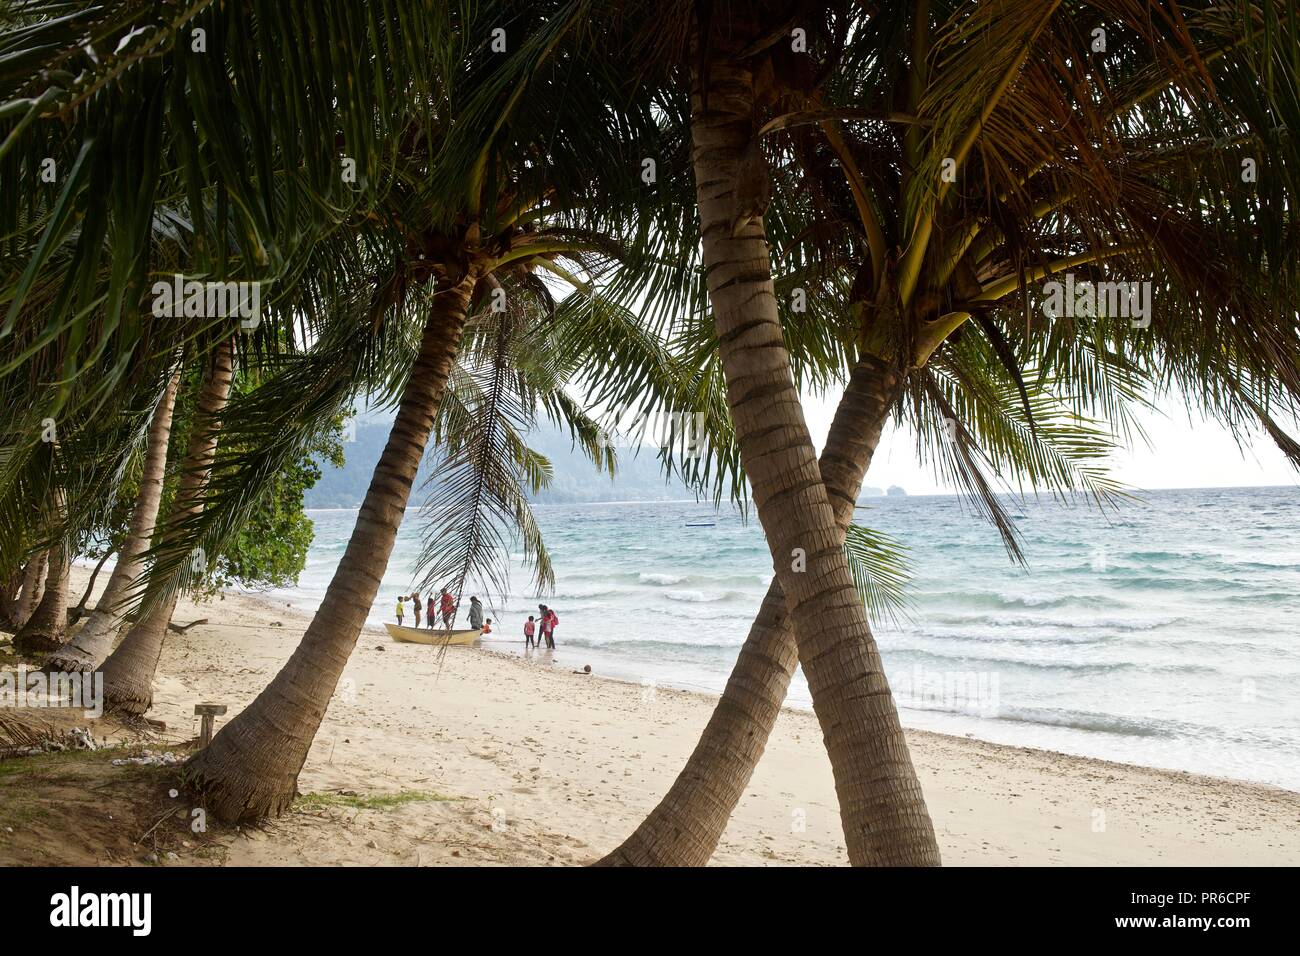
<point>549,620</point>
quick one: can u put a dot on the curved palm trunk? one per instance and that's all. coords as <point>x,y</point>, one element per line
<point>250,770</point>
<point>93,643</point>
<point>882,808</point>
<point>684,829</point>
<point>33,587</point>
<point>44,631</point>
<point>128,671</point>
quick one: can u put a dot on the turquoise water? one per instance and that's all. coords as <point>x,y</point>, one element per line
<point>1163,635</point>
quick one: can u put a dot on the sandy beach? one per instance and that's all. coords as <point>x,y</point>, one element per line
<point>523,762</point>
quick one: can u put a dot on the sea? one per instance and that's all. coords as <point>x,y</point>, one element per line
<point>1165,633</point>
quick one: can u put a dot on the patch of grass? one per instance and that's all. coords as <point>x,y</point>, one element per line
<point>21,815</point>
<point>378,801</point>
<point>55,760</point>
<point>18,765</point>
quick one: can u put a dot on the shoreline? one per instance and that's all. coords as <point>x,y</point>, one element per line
<point>584,654</point>
<point>1175,654</point>
<point>541,766</point>
<point>712,697</point>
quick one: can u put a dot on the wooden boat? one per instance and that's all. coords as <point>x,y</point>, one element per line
<point>431,635</point>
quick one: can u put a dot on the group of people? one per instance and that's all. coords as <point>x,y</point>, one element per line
<point>539,629</point>
<point>446,609</point>
<point>543,630</point>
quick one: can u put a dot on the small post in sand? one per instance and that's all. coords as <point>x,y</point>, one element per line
<point>209,713</point>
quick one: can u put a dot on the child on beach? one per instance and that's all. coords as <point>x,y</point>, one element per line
<point>529,630</point>
<point>401,608</point>
<point>487,628</point>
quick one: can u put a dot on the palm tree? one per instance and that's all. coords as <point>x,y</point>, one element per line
<point>252,766</point>
<point>129,670</point>
<point>44,630</point>
<point>33,587</point>
<point>493,205</point>
<point>1232,366</point>
<point>882,806</point>
<point>515,360</point>
<point>684,828</point>
<point>93,642</point>
<point>512,363</point>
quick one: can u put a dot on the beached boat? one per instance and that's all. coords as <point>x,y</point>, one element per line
<point>431,635</point>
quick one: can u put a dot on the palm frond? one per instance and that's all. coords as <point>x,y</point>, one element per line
<point>880,572</point>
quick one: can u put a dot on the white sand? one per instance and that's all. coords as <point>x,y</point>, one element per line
<point>546,766</point>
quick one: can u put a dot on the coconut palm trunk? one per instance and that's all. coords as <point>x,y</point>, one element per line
<point>684,829</point>
<point>44,631</point>
<point>882,808</point>
<point>94,641</point>
<point>129,670</point>
<point>251,768</point>
<point>33,588</point>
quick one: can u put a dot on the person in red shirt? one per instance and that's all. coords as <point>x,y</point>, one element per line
<point>448,608</point>
<point>549,620</point>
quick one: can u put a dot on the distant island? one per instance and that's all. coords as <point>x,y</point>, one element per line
<point>896,491</point>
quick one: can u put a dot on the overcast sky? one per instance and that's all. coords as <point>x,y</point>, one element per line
<point>1183,454</point>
